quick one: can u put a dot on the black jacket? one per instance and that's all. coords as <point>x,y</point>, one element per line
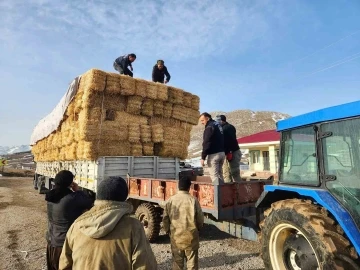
<point>159,74</point>
<point>123,61</point>
<point>230,140</point>
<point>213,141</point>
<point>63,207</point>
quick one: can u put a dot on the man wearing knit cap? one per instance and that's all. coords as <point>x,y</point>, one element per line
<point>231,167</point>
<point>106,237</point>
<point>65,203</point>
<point>183,218</point>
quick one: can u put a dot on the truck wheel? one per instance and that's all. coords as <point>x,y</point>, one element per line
<point>148,216</point>
<point>297,234</point>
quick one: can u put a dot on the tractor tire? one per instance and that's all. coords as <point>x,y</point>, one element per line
<point>150,219</point>
<point>297,234</point>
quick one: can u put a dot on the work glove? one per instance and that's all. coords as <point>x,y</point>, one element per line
<point>229,156</point>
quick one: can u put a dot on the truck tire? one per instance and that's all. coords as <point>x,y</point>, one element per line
<point>297,234</point>
<point>148,216</point>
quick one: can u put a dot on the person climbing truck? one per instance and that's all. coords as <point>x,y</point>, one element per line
<point>122,63</point>
<point>159,72</point>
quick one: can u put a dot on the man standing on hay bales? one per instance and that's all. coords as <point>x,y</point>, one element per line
<point>231,168</point>
<point>122,63</point>
<point>183,218</point>
<point>159,72</point>
<point>213,147</point>
<point>107,237</point>
<point>63,207</point>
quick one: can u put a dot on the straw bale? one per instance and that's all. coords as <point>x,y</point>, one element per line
<point>70,110</point>
<point>80,150</point>
<point>180,112</point>
<point>151,90</point>
<point>148,149</point>
<point>158,107</point>
<point>113,83</point>
<point>176,95</point>
<point>62,154</point>
<point>93,150</point>
<point>134,133</point>
<point>94,79</point>
<point>108,130</point>
<point>70,153</point>
<point>173,149</point>
<point>187,101</point>
<point>70,138</point>
<point>91,115</point>
<point>126,118</point>
<point>176,134</point>
<point>193,116</point>
<point>145,133</point>
<point>162,92</point>
<point>186,126</point>
<point>128,86</point>
<point>166,122</point>
<point>108,101</point>
<point>134,104</point>
<point>168,107</point>
<point>195,103</point>
<point>147,107</point>
<point>157,133</point>
<point>136,149</point>
<point>141,87</point>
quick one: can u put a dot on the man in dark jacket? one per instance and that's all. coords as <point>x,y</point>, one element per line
<point>231,167</point>
<point>213,147</point>
<point>63,207</point>
<point>159,72</point>
<point>122,63</point>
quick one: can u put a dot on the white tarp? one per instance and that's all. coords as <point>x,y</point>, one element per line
<point>51,122</point>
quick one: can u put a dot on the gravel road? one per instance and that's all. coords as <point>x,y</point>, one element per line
<point>23,226</point>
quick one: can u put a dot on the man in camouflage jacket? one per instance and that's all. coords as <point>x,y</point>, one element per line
<point>183,218</point>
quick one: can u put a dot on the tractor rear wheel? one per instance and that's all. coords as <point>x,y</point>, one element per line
<point>297,234</point>
<point>149,217</point>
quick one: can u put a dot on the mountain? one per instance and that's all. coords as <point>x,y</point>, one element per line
<point>246,122</point>
<point>6,150</point>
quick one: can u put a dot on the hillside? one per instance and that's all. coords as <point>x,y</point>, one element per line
<point>246,122</point>
<point>6,150</point>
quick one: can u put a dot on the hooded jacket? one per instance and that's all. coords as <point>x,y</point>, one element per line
<point>213,139</point>
<point>106,237</point>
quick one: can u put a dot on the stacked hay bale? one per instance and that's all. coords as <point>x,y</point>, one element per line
<point>116,115</point>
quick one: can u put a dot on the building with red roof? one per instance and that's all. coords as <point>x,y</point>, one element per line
<point>263,148</point>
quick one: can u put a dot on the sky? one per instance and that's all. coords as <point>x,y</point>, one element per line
<point>289,56</point>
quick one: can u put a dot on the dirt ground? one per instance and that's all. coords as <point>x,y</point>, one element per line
<point>23,227</point>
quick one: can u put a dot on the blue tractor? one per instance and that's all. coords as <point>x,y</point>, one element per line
<point>312,219</point>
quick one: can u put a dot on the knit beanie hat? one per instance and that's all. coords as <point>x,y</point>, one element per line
<point>184,183</point>
<point>64,179</point>
<point>112,189</point>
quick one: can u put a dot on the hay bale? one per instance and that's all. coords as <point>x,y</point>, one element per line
<point>176,95</point>
<point>193,116</point>
<point>187,100</point>
<point>113,83</point>
<point>126,118</point>
<point>148,149</point>
<point>134,104</point>
<point>93,150</point>
<point>108,130</point>
<point>145,133</point>
<point>162,92</point>
<point>80,150</point>
<point>70,153</point>
<point>195,103</point>
<point>157,133</point>
<point>168,107</point>
<point>141,88</point>
<point>70,110</point>
<point>108,101</point>
<point>151,90</point>
<point>94,79</point>
<point>136,149</point>
<point>173,149</point>
<point>166,122</point>
<point>128,86</point>
<point>176,134</point>
<point>134,133</point>
<point>180,113</point>
<point>158,107</point>
<point>147,107</point>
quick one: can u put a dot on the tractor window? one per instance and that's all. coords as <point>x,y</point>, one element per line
<point>298,163</point>
<point>341,153</point>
